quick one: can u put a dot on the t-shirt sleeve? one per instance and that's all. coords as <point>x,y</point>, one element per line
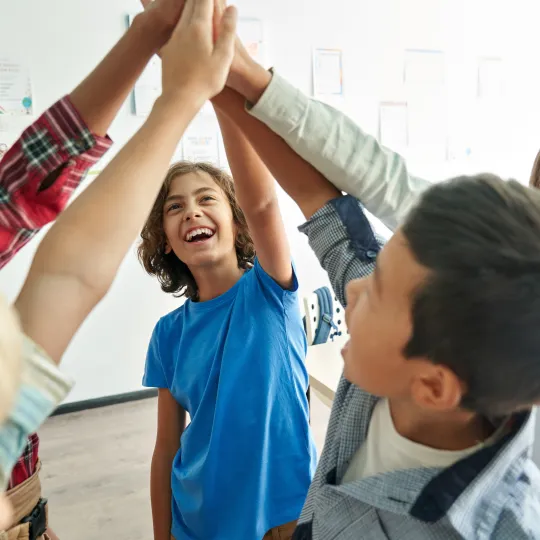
<point>272,286</point>
<point>154,374</point>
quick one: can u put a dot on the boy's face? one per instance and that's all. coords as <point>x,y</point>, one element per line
<point>198,221</point>
<point>380,325</point>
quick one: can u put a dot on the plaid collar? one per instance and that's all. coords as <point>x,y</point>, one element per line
<point>471,492</point>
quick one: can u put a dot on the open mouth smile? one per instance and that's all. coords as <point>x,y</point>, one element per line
<point>198,235</point>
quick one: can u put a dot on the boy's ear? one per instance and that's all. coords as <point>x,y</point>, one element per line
<point>437,387</point>
<point>167,248</point>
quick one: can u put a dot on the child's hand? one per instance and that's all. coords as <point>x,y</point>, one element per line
<point>191,58</point>
<point>165,14</point>
<point>242,60</point>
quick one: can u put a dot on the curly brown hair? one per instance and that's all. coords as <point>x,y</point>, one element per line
<point>535,174</point>
<point>173,275</point>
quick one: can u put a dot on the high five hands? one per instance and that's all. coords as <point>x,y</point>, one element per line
<point>167,14</point>
<point>200,51</point>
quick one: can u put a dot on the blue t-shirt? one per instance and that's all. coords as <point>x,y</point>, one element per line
<point>236,365</point>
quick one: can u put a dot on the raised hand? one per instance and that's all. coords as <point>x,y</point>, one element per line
<point>166,14</point>
<point>242,60</point>
<point>166,11</point>
<point>192,58</point>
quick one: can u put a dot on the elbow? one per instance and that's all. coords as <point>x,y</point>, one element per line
<point>256,211</point>
<point>89,282</point>
<point>63,257</point>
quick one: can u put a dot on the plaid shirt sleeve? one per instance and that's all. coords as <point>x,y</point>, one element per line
<point>26,466</point>
<point>343,240</point>
<point>41,170</point>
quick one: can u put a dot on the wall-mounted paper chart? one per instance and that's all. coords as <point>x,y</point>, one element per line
<point>148,87</point>
<point>327,72</point>
<point>15,88</point>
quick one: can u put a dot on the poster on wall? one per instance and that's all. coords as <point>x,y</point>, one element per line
<point>15,88</point>
<point>251,34</point>
<point>201,147</point>
<point>327,73</point>
<point>148,86</point>
<point>201,141</point>
<point>393,126</point>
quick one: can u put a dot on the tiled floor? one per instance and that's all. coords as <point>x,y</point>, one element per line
<point>96,469</point>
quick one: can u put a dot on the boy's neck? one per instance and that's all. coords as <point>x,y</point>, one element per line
<point>213,281</point>
<point>455,430</point>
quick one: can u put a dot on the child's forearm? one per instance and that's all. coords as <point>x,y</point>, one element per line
<point>79,257</point>
<point>256,193</point>
<point>299,179</point>
<point>99,97</point>
<point>255,188</point>
<point>249,78</point>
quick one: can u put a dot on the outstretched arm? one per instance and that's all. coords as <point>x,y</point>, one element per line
<point>302,182</point>
<point>99,97</point>
<point>256,194</point>
<point>78,259</point>
<point>325,137</point>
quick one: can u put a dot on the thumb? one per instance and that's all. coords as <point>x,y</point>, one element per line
<point>224,47</point>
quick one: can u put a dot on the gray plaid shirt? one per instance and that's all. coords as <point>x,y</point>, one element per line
<point>492,494</point>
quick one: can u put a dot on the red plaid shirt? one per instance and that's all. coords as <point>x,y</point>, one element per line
<point>38,175</point>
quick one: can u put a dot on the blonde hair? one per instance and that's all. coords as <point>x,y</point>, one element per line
<point>10,357</point>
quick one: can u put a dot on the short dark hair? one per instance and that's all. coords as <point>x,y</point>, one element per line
<point>478,312</point>
<point>173,274</point>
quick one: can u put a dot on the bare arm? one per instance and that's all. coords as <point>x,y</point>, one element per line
<point>171,425</point>
<point>309,189</point>
<point>78,259</point>
<point>256,193</point>
<point>99,97</point>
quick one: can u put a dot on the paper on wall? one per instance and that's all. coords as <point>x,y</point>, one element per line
<point>15,88</point>
<point>147,88</point>
<point>393,126</point>
<point>201,141</point>
<point>201,147</point>
<point>327,72</point>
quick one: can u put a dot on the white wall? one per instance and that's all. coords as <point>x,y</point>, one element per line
<point>63,39</point>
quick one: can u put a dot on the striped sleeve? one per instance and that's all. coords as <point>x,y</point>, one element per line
<point>43,387</point>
